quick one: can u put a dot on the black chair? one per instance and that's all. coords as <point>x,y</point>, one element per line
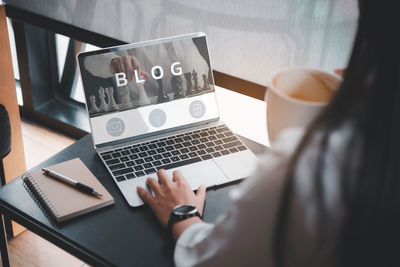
<point>5,139</point>
<point>5,148</point>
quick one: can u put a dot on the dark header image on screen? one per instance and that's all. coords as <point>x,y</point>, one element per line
<point>129,78</point>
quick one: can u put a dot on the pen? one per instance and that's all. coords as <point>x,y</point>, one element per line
<point>81,187</point>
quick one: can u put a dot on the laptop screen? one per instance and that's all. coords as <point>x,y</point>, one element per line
<point>137,89</point>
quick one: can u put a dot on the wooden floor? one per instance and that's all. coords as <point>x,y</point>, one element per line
<point>28,249</point>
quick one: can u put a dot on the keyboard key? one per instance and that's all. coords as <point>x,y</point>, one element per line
<point>223,129</point>
<point>204,139</point>
<point>201,152</point>
<point>107,157</point>
<point>178,140</point>
<point>193,148</point>
<point>116,155</point>
<point>218,148</point>
<point>160,150</point>
<point>106,153</point>
<point>169,148</point>
<point>143,154</point>
<point>157,163</point>
<point>228,134</point>
<point>135,150</point>
<point>149,171</point>
<point>233,144</point>
<point>184,150</point>
<point>118,149</point>
<point>143,148</point>
<point>175,152</point>
<point>123,159</point>
<point>187,138</point>
<point>233,150</point>
<point>138,168</point>
<point>180,163</point>
<point>156,157</point>
<point>210,150</point>
<point>186,144</point>
<point>130,176</point>
<point>130,163</point>
<point>152,146</point>
<point>212,138</point>
<point>218,142</point>
<point>123,153</point>
<point>120,178</point>
<point>117,166</point>
<point>139,161</point>
<point>123,171</point>
<point>241,148</point>
<point>216,154</point>
<point>147,165</point>
<point>192,154</point>
<point>184,156</point>
<point>165,161</point>
<point>201,146</point>
<point>209,144</point>
<point>225,152</point>
<point>220,135</point>
<point>203,134</point>
<point>229,139</point>
<point>211,132</point>
<point>195,142</point>
<point>148,159</point>
<point>134,156</point>
<point>206,157</point>
<point>112,161</point>
<point>174,159</point>
<point>139,173</point>
<point>151,152</point>
<point>170,142</point>
<point>178,146</point>
<point>195,136</point>
<point>161,144</point>
<point>167,155</point>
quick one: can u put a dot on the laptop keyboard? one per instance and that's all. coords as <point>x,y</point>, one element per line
<point>171,152</point>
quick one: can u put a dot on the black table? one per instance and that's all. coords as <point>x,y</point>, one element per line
<point>116,235</point>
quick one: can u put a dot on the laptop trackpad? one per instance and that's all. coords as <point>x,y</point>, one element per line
<point>238,165</point>
<point>205,172</point>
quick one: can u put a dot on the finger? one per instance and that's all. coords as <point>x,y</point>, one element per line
<point>112,67</point>
<point>163,178</point>
<point>201,192</point>
<point>128,68</point>
<point>144,74</point>
<point>177,177</point>
<point>153,185</point>
<point>120,65</point>
<point>144,195</point>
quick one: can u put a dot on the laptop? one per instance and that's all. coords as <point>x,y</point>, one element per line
<point>153,105</point>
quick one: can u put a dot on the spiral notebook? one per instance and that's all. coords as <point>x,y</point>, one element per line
<point>62,201</point>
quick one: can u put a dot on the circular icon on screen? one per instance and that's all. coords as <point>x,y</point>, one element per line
<point>115,127</point>
<point>157,118</point>
<point>197,109</point>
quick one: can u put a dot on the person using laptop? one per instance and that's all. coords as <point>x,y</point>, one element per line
<point>324,196</point>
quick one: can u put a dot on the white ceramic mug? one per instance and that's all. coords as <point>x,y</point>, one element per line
<point>295,96</point>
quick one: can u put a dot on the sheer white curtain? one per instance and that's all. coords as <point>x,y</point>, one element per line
<point>247,39</point>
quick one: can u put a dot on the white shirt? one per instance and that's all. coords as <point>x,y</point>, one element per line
<point>243,236</point>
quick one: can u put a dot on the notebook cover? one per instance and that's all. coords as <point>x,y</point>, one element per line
<point>67,201</point>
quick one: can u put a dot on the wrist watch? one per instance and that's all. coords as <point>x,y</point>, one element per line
<point>182,212</point>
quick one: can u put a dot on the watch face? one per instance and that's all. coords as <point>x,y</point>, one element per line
<point>185,209</point>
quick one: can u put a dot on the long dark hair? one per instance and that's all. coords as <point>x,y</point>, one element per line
<point>369,99</point>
